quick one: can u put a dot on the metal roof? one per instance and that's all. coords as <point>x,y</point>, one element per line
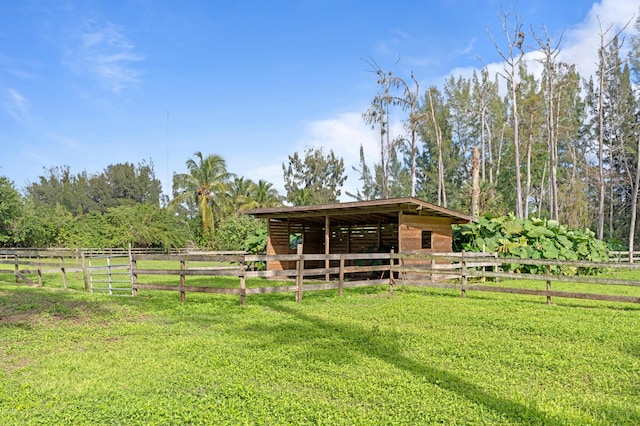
<point>372,211</point>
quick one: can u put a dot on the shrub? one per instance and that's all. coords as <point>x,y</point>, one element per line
<point>533,238</point>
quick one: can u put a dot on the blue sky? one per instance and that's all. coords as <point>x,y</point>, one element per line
<point>92,83</point>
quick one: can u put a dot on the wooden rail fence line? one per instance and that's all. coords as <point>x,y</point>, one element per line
<point>460,271</point>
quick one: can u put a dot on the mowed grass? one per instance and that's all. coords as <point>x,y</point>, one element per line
<point>417,356</point>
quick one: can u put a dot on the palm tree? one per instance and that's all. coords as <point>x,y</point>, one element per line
<point>205,186</point>
<point>239,194</point>
<point>264,195</point>
<point>244,194</point>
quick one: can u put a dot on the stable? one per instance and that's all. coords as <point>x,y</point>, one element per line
<point>404,225</point>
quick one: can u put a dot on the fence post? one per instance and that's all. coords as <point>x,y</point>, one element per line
<point>341,276</point>
<point>182,292</point>
<point>64,272</point>
<point>391,271</point>
<point>432,264</point>
<point>300,273</point>
<point>39,269</point>
<point>548,272</point>
<point>134,276</point>
<point>243,284</point>
<point>84,273</point>
<point>463,281</point>
<point>17,269</point>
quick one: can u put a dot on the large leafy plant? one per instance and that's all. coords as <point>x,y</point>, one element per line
<point>533,238</point>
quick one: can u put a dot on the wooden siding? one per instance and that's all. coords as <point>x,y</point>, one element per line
<point>411,233</point>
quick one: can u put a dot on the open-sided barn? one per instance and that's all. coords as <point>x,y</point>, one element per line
<point>404,225</point>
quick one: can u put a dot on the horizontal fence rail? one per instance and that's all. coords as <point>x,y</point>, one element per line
<point>464,272</point>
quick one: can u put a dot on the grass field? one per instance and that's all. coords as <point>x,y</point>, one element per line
<point>417,356</point>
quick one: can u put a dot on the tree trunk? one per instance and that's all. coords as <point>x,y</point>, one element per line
<point>475,181</point>
<point>634,205</point>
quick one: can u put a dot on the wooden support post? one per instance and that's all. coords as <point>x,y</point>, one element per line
<point>64,273</point>
<point>17,268</point>
<point>463,281</point>
<point>327,250</point>
<point>182,292</point>
<point>39,269</point>
<point>243,285</point>
<point>300,273</point>
<point>391,280</point>
<point>134,276</point>
<point>548,272</point>
<point>341,276</point>
<point>85,274</point>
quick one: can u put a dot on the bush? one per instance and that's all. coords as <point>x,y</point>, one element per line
<point>533,238</point>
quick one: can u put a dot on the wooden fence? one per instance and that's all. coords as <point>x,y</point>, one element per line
<point>29,264</point>
<point>461,271</point>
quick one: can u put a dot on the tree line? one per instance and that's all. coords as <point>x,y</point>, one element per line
<point>550,143</point>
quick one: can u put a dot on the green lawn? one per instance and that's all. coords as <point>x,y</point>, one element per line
<point>417,356</point>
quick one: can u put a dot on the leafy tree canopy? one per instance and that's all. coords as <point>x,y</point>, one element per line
<point>10,208</point>
<point>119,184</point>
<point>315,179</point>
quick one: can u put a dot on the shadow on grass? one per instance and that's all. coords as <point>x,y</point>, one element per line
<point>385,346</point>
<point>24,307</point>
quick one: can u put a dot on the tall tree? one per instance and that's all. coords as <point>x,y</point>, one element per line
<point>204,186</point>
<point>370,190</point>
<point>634,60</point>
<point>378,114</point>
<point>513,56</point>
<point>317,175</point>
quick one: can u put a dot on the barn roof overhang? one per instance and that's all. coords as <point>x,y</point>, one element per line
<point>360,212</point>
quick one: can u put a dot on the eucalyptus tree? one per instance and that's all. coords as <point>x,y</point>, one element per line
<point>483,91</point>
<point>531,108</point>
<point>634,61</point>
<point>601,95</point>
<point>513,56</point>
<point>440,162</point>
<point>203,187</point>
<point>573,147</point>
<point>550,51</point>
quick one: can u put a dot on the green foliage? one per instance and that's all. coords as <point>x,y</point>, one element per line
<point>10,207</point>
<point>141,225</point>
<point>203,190</point>
<point>529,239</point>
<point>119,184</point>
<point>243,233</point>
<point>315,179</point>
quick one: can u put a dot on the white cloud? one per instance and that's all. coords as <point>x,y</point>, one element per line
<point>16,105</point>
<point>581,42</point>
<point>105,52</point>
<point>344,134</point>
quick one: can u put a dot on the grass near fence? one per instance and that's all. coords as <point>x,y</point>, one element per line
<point>418,356</point>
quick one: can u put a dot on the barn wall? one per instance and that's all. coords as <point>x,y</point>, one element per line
<point>278,243</point>
<point>362,238</point>
<point>411,228</point>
